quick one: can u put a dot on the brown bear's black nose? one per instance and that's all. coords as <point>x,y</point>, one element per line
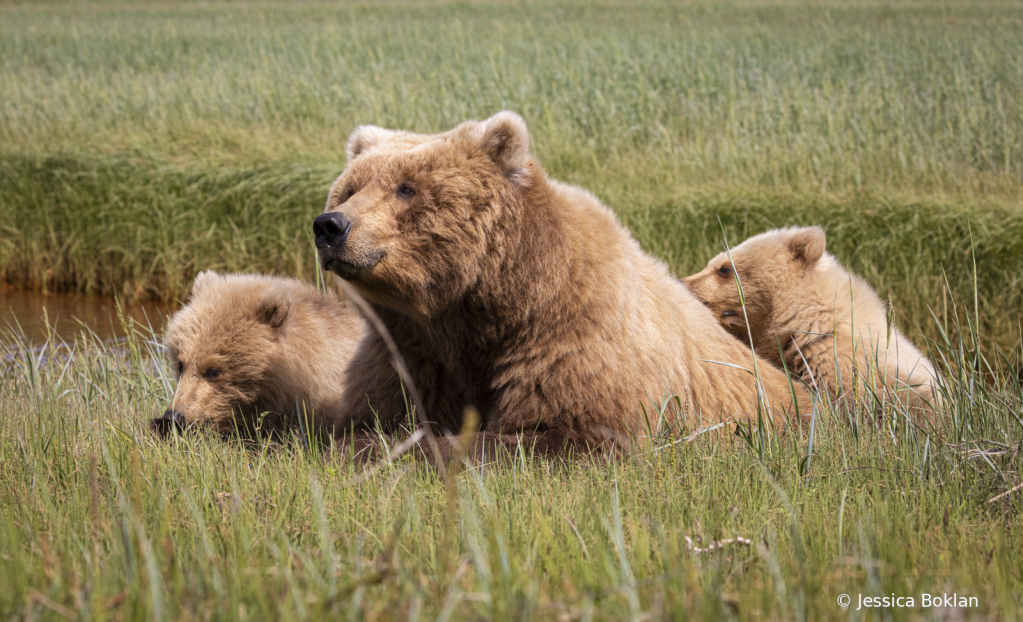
<point>170,421</point>
<point>331,230</point>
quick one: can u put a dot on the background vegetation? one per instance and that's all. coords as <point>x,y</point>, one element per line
<point>141,143</point>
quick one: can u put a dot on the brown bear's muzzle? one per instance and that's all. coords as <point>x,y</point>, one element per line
<point>693,286</point>
<point>337,254</point>
<point>331,231</point>
<point>170,421</point>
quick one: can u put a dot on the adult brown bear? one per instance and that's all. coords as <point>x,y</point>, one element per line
<point>523,297</point>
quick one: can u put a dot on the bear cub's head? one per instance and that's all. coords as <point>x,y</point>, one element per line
<point>410,219</point>
<point>225,350</point>
<point>766,264</point>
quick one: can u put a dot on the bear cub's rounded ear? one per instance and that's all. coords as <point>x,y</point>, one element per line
<point>273,310</point>
<point>202,281</point>
<point>505,138</point>
<point>364,138</point>
<point>807,245</point>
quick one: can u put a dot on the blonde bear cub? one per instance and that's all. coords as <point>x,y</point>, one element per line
<point>250,351</point>
<point>799,298</point>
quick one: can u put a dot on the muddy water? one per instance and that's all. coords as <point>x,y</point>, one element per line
<point>69,315</point>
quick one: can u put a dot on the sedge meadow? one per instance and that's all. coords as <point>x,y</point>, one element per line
<point>143,142</point>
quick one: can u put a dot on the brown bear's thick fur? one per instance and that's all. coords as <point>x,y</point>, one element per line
<point>799,298</point>
<point>523,297</point>
<point>245,345</point>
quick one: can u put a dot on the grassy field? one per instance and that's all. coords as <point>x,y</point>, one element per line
<point>141,143</point>
<point>100,520</point>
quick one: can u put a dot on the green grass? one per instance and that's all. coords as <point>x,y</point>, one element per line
<point>141,143</point>
<point>100,520</point>
<point>842,95</point>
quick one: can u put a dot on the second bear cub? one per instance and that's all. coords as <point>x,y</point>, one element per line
<point>248,350</point>
<point>830,325</point>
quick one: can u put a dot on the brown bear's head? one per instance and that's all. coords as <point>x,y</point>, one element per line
<point>766,264</point>
<point>411,218</point>
<point>224,347</point>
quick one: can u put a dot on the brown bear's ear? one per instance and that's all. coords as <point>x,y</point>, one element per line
<point>365,137</point>
<point>273,310</point>
<point>202,281</point>
<point>505,138</point>
<point>807,245</point>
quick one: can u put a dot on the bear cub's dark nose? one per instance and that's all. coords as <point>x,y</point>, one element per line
<point>166,424</point>
<point>174,416</point>
<point>331,230</point>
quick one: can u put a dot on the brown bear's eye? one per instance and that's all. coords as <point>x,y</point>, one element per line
<point>181,368</point>
<point>406,190</point>
<point>725,270</point>
<point>347,194</point>
<point>211,373</point>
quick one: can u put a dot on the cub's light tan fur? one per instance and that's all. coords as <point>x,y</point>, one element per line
<point>273,342</point>
<point>800,297</point>
<point>521,296</point>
